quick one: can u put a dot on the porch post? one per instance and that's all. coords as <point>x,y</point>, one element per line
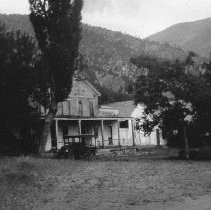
<point>119,133</point>
<point>57,133</point>
<point>102,132</point>
<point>133,136</point>
<point>79,127</point>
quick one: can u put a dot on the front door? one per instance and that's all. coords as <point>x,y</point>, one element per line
<point>53,135</point>
<point>110,137</point>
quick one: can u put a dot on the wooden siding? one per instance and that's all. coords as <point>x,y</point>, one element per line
<point>80,91</point>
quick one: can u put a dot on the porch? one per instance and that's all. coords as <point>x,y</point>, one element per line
<point>103,132</point>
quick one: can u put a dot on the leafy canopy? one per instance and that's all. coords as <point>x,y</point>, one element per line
<point>176,94</point>
<point>57,28</point>
<point>16,74</point>
<point>17,83</point>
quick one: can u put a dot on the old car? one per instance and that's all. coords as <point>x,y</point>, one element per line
<point>77,149</point>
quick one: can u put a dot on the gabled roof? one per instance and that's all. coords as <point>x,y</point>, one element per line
<point>87,85</point>
<point>126,108</point>
<point>93,88</point>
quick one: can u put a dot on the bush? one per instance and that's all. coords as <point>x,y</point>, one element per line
<point>197,154</point>
<point>10,145</point>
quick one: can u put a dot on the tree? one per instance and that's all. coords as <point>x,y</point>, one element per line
<point>177,99</point>
<point>16,84</point>
<point>57,26</point>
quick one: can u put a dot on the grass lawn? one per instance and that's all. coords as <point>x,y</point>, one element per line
<point>35,183</point>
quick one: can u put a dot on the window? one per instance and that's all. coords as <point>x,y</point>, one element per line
<point>91,108</point>
<point>66,109</point>
<point>124,124</point>
<point>60,108</point>
<point>80,108</point>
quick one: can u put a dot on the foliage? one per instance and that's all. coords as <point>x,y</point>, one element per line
<point>57,27</point>
<point>108,54</point>
<point>16,84</point>
<point>175,97</point>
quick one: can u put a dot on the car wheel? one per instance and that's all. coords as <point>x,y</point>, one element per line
<point>70,155</point>
<point>90,155</point>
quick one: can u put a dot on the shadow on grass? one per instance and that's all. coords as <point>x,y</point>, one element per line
<point>19,174</point>
<point>17,178</point>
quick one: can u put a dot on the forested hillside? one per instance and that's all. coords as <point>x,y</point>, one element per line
<point>107,54</point>
<point>193,36</point>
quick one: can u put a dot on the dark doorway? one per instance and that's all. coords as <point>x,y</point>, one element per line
<point>53,135</point>
<point>110,138</point>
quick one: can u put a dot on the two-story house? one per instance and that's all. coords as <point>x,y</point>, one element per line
<point>105,125</point>
<point>80,114</point>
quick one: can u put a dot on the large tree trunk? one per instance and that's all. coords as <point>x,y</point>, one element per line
<point>187,149</point>
<point>49,118</point>
<point>47,127</point>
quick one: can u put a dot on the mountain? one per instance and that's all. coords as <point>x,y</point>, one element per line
<point>107,54</point>
<point>194,36</point>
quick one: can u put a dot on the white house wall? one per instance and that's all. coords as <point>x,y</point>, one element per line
<point>126,135</point>
<point>142,140</point>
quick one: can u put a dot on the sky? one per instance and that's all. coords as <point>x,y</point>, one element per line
<point>139,18</point>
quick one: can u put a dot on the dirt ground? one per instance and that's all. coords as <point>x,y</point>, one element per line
<point>105,183</point>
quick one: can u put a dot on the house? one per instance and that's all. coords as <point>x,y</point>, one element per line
<point>129,109</point>
<point>81,114</point>
<point>105,125</point>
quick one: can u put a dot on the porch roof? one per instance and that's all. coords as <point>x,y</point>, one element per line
<point>98,118</point>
